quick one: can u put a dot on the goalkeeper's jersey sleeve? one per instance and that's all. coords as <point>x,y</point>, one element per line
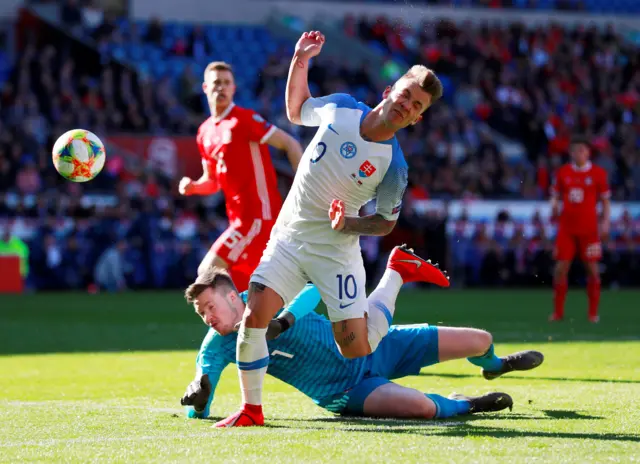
<point>305,302</point>
<point>216,352</point>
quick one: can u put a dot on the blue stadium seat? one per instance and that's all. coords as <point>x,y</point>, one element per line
<point>143,27</point>
<point>167,42</point>
<point>154,53</point>
<point>176,66</point>
<point>245,47</point>
<point>136,52</point>
<point>119,52</point>
<point>176,29</point>
<point>122,24</point>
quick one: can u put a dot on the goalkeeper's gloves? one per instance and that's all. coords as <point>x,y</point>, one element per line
<point>279,325</point>
<point>197,394</point>
<point>276,326</point>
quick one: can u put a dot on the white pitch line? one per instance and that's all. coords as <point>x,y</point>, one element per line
<point>83,405</point>
<point>57,441</point>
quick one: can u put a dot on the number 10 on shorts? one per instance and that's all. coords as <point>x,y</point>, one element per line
<point>347,286</point>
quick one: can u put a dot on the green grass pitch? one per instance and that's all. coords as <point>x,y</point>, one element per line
<point>98,378</point>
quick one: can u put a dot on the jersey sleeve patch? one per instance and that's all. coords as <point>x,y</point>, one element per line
<point>310,113</point>
<point>259,129</point>
<point>394,183</point>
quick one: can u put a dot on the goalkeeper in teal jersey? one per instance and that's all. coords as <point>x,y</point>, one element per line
<point>303,354</point>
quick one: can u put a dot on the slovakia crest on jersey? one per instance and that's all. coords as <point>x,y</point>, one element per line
<point>587,181</point>
<point>366,169</point>
<point>348,150</point>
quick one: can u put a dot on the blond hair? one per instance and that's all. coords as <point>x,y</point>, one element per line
<point>427,80</point>
<point>218,66</point>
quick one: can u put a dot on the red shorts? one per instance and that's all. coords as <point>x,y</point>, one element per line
<point>568,244</point>
<point>241,248</point>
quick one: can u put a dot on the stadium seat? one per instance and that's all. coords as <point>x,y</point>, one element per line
<point>246,47</point>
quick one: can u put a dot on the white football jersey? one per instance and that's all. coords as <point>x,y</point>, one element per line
<point>339,164</point>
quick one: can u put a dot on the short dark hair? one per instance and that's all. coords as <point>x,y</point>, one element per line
<point>218,66</point>
<point>427,80</point>
<point>213,277</point>
<point>581,140</point>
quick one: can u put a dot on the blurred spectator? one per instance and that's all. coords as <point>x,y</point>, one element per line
<point>154,32</point>
<point>70,14</point>
<point>198,46</point>
<point>92,15</point>
<point>110,269</point>
<point>28,179</point>
<point>11,245</point>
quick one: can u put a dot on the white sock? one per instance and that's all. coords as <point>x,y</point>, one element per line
<point>252,359</point>
<point>382,305</point>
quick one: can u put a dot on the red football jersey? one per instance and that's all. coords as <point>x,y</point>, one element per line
<point>233,146</point>
<point>580,190</point>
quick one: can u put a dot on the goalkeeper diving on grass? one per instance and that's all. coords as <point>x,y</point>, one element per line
<point>303,354</point>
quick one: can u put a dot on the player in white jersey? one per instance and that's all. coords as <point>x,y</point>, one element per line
<point>353,158</point>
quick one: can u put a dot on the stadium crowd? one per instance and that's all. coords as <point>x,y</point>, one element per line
<point>535,86</point>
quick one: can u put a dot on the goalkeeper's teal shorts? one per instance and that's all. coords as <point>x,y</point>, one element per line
<point>404,351</point>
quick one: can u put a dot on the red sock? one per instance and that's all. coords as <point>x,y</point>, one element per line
<point>559,295</point>
<point>593,293</point>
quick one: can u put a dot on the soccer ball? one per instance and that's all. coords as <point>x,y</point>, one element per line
<point>78,155</point>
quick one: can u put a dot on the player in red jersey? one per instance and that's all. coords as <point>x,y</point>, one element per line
<point>579,185</point>
<point>236,160</point>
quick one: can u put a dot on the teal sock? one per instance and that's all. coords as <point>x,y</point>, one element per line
<point>488,361</point>
<point>448,408</point>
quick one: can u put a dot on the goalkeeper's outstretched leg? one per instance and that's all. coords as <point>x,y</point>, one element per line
<point>390,400</point>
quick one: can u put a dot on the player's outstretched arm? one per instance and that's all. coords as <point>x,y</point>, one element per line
<point>206,185</point>
<point>374,224</point>
<point>198,397</point>
<point>297,91</point>
<point>210,362</point>
<point>285,142</point>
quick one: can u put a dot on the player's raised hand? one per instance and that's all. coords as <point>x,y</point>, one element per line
<point>310,44</point>
<point>337,214</point>
<point>185,187</point>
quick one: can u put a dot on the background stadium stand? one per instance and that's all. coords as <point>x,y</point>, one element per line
<point>532,87</point>
<point>591,6</point>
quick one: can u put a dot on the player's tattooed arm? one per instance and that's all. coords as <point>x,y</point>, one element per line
<point>373,224</point>
<point>256,287</point>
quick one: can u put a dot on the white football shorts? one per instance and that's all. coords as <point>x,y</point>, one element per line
<point>288,264</point>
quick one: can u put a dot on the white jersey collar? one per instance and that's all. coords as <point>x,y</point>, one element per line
<point>584,168</point>
<point>225,113</point>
